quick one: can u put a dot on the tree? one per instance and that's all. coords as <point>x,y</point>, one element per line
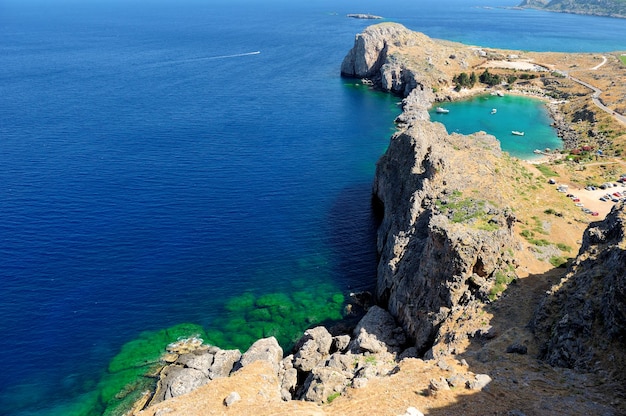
<point>490,79</point>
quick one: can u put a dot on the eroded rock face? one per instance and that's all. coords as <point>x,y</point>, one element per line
<point>586,312</point>
<point>434,261</point>
<point>194,369</point>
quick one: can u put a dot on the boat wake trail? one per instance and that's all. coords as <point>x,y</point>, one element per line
<point>236,55</point>
<point>208,58</point>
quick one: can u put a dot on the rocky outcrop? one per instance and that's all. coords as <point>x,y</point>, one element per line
<point>441,251</point>
<point>321,367</point>
<point>584,316</point>
<point>193,369</point>
<point>375,56</point>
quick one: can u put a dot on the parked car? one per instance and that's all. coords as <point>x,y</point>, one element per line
<point>579,204</point>
<point>595,213</point>
<point>576,199</point>
<point>586,210</point>
<point>603,199</point>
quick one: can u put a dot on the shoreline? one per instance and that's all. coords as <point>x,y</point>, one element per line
<point>553,113</point>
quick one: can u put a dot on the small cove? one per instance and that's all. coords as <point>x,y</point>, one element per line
<point>513,113</point>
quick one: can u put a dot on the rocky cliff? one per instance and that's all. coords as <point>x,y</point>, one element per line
<point>446,237</point>
<point>582,320</point>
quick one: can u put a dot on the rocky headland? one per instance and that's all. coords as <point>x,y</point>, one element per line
<point>611,8</point>
<point>469,318</point>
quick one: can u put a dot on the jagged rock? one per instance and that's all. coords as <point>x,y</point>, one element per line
<point>321,383</point>
<point>266,349</point>
<point>435,386</point>
<point>176,380</point>
<point>231,399</point>
<point>370,50</point>
<point>585,313</point>
<point>427,258</point>
<point>223,363</point>
<point>312,348</point>
<point>289,383</point>
<point>340,343</point>
<point>199,361</point>
<point>342,362</point>
<point>480,382</point>
<point>457,380</point>
<point>378,332</point>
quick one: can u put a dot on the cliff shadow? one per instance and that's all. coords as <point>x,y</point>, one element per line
<point>352,237</point>
<point>521,383</point>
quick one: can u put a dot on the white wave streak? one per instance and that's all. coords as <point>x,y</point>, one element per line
<point>210,58</point>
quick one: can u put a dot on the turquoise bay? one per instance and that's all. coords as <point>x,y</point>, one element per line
<point>512,113</point>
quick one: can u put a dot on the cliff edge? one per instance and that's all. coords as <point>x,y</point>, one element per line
<point>582,320</point>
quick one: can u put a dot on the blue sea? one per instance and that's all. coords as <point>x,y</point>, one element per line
<point>195,162</point>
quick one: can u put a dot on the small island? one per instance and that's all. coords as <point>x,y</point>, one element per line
<point>364,16</point>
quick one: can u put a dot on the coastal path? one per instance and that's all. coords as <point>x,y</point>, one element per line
<point>595,97</point>
<point>600,64</point>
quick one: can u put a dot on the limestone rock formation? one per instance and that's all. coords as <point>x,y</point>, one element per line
<point>440,251</point>
<point>193,369</point>
<point>374,56</point>
<point>584,315</point>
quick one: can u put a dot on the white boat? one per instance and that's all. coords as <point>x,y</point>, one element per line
<point>442,110</point>
<point>517,133</point>
<point>493,111</point>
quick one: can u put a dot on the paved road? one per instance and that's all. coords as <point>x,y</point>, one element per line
<point>596,100</point>
<point>600,64</point>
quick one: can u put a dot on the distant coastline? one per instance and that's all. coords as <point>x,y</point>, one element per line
<point>606,8</point>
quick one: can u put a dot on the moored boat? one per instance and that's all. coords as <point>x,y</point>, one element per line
<point>517,133</point>
<point>442,110</point>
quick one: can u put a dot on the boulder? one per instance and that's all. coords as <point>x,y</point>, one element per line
<point>223,363</point>
<point>176,380</point>
<point>266,349</point>
<point>312,348</point>
<point>479,382</point>
<point>321,383</point>
<point>378,332</point>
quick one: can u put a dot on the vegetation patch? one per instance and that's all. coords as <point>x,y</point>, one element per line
<point>500,284</point>
<point>558,261</point>
<point>546,171</point>
<point>333,396</point>
<point>466,210</point>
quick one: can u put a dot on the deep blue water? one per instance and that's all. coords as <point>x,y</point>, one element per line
<point>153,164</point>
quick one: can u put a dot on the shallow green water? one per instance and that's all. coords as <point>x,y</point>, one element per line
<point>513,113</point>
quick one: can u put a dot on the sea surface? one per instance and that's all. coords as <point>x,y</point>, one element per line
<point>166,162</point>
<point>501,116</point>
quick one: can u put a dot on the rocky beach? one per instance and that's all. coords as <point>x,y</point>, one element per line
<point>471,314</point>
